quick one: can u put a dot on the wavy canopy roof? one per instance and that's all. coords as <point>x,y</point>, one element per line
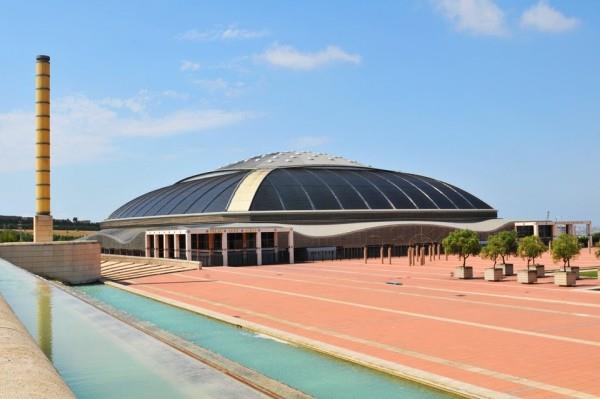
<point>299,182</point>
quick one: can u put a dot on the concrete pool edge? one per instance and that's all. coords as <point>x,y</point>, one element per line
<point>31,373</point>
<point>247,376</point>
<point>438,382</point>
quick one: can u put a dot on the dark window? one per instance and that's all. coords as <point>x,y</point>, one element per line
<point>268,240</point>
<point>234,241</point>
<point>202,241</point>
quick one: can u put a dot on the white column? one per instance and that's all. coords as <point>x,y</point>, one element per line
<point>166,246</point>
<point>536,230</point>
<point>147,240</point>
<point>176,246</point>
<point>188,245</point>
<point>224,248</point>
<point>291,245</point>
<point>258,248</point>
<point>156,250</point>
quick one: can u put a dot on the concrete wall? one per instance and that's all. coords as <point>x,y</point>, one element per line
<point>25,372</point>
<point>72,262</point>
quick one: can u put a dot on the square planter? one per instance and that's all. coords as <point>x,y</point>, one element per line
<point>527,276</point>
<point>574,269</point>
<point>541,271</point>
<point>565,279</point>
<point>493,274</point>
<point>507,269</point>
<point>464,273</point>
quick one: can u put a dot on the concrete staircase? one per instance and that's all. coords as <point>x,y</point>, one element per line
<point>118,267</point>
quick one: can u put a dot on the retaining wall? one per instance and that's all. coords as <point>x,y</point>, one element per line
<point>72,262</point>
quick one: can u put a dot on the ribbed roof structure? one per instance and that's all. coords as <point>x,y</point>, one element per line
<point>299,181</point>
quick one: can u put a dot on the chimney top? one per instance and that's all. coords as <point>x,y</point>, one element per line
<point>42,58</point>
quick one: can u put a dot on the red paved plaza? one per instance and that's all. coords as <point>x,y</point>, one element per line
<point>530,341</point>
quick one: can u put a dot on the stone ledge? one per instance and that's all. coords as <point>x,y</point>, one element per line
<point>30,373</point>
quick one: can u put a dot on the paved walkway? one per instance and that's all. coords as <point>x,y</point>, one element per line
<point>529,341</point>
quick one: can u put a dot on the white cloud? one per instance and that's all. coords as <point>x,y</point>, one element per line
<point>288,57</point>
<point>229,89</point>
<point>306,142</point>
<point>189,66</point>
<point>232,32</point>
<point>136,103</point>
<point>84,130</point>
<point>235,33</point>
<point>544,18</point>
<point>480,17</point>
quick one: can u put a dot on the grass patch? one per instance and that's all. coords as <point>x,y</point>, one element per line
<point>589,273</point>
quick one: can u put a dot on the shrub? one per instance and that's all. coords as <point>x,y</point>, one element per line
<point>565,247</point>
<point>463,243</point>
<point>530,247</point>
<point>15,235</point>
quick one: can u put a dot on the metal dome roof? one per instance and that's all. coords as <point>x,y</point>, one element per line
<point>290,159</point>
<point>299,181</point>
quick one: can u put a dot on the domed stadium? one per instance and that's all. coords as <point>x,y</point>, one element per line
<point>292,206</point>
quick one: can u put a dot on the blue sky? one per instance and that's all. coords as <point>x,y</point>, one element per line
<point>500,97</point>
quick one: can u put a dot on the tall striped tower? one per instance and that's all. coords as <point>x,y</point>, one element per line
<point>42,222</point>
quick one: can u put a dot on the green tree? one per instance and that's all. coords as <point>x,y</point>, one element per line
<point>531,247</point>
<point>501,245</point>
<point>463,243</point>
<point>565,247</point>
<point>508,243</point>
<point>491,250</point>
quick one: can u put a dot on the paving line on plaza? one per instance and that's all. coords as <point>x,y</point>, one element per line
<point>291,269</point>
<point>480,293</point>
<point>397,292</point>
<point>373,362</point>
<point>448,272</point>
<point>417,315</point>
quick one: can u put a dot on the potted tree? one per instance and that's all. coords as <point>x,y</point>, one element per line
<point>529,248</point>
<point>463,243</point>
<point>565,247</point>
<point>492,251</point>
<point>508,244</point>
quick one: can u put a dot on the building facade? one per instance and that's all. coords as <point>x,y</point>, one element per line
<point>293,206</point>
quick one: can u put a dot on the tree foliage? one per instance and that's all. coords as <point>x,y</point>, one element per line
<point>565,247</point>
<point>530,247</point>
<point>463,243</point>
<point>491,251</point>
<point>501,245</point>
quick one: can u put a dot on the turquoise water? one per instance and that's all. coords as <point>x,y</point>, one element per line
<point>308,371</point>
<point>100,357</point>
